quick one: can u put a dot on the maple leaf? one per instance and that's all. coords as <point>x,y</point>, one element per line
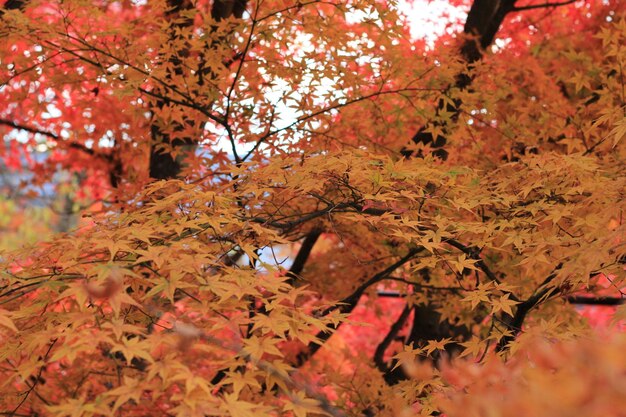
<point>619,131</point>
<point>175,172</point>
<point>130,390</point>
<point>119,298</point>
<point>433,345</point>
<point>481,294</point>
<point>6,321</point>
<point>408,355</point>
<point>473,347</point>
<point>302,406</point>
<point>238,407</point>
<point>132,348</point>
<point>503,304</point>
<point>462,263</point>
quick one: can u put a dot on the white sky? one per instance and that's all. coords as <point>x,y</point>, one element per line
<point>427,19</point>
<point>430,19</point>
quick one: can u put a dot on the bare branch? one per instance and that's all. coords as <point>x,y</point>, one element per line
<point>384,344</point>
<point>29,129</point>
<point>67,144</point>
<point>543,5</point>
<point>303,255</point>
<point>597,301</point>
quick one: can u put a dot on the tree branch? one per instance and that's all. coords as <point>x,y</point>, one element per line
<point>474,254</point>
<point>384,344</point>
<point>515,323</point>
<point>29,129</point>
<point>347,305</point>
<point>597,301</point>
<point>481,26</point>
<point>52,135</point>
<point>303,255</point>
<point>543,6</point>
<point>37,379</point>
<point>581,300</point>
<point>14,5</point>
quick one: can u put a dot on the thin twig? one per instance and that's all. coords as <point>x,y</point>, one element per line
<point>543,5</point>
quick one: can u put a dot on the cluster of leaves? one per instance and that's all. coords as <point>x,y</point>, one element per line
<point>544,377</point>
<point>285,125</point>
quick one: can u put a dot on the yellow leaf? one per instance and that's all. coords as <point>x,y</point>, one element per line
<point>436,345</point>
<point>462,263</point>
<point>6,321</point>
<point>408,355</point>
<point>301,406</point>
<point>619,131</point>
<point>503,304</point>
<point>473,347</point>
<point>239,408</point>
<point>119,298</point>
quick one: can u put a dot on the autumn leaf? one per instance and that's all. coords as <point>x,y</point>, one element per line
<point>6,321</point>
<point>302,406</point>
<point>503,304</point>
<point>295,208</point>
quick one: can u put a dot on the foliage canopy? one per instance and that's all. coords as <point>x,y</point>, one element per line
<point>247,180</point>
